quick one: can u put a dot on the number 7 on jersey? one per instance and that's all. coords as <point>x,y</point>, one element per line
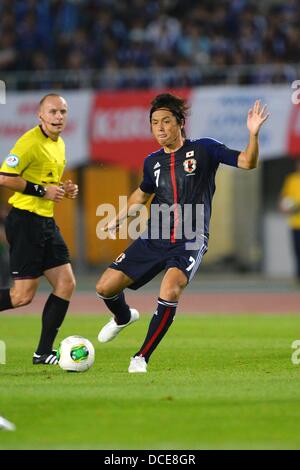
<point>156,174</point>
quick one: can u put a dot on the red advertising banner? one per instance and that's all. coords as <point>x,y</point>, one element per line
<point>294,132</point>
<point>120,128</point>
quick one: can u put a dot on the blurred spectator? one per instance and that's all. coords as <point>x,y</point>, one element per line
<point>8,52</point>
<point>289,204</point>
<point>145,34</point>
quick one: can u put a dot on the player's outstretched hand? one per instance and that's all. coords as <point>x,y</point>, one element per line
<point>54,193</point>
<point>256,117</point>
<point>71,189</point>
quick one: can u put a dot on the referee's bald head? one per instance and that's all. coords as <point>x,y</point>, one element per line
<point>50,95</point>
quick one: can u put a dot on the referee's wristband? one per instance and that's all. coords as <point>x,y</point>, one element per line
<point>36,190</point>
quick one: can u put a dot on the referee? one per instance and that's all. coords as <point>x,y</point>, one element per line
<point>33,170</point>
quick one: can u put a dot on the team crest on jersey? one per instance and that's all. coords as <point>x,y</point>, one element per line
<point>12,161</point>
<point>190,165</point>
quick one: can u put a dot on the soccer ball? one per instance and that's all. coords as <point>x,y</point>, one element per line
<point>75,354</point>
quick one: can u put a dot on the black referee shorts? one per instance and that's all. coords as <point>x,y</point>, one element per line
<point>35,244</point>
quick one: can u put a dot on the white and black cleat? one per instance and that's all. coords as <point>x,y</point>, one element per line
<point>49,359</point>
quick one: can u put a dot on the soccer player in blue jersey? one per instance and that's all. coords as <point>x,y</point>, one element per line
<point>181,176</point>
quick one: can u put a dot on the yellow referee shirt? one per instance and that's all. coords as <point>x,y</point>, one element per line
<point>40,160</point>
<point>291,189</point>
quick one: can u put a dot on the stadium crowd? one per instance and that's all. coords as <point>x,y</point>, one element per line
<point>156,35</point>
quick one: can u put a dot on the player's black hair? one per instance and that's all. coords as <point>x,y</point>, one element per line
<point>176,105</point>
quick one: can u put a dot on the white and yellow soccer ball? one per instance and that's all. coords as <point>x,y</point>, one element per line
<point>76,354</point>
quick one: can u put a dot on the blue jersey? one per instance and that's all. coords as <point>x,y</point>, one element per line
<point>185,179</point>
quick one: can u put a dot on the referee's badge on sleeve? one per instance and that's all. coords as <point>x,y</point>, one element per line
<point>12,161</point>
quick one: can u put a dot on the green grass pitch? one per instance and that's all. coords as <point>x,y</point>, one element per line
<point>216,382</point>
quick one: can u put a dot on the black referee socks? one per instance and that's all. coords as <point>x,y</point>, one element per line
<point>118,306</point>
<point>5,300</point>
<point>53,315</point>
<point>159,325</point>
